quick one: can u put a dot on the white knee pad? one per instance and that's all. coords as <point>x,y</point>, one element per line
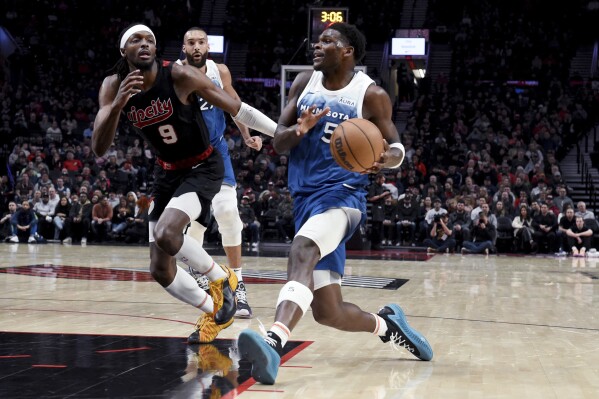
<point>328,229</point>
<point>296,293</point>
<point>196,231</point>
<point>226,213</point>
<point>188,203</point>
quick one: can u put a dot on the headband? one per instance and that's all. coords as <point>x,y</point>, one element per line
<point>132,30</point>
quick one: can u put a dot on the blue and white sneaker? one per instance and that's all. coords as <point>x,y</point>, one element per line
<point>261,353</point>
<point>400,334</point>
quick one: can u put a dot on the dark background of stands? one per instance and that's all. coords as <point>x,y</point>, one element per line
<point>65,48</point>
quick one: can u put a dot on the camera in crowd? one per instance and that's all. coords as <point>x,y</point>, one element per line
<point>437,218</point>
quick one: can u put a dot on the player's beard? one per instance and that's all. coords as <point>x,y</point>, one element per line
<point>197,64</point>
<point>143,65</point>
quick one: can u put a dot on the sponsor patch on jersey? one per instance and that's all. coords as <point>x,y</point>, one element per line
<point>347,101</point>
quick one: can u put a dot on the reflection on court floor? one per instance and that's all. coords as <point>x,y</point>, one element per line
<point>94,366</point>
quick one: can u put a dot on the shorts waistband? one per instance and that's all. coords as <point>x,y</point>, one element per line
<point>186,163</point>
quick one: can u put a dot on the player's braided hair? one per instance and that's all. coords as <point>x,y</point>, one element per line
<point>121,68</point>
<point>355,38</point>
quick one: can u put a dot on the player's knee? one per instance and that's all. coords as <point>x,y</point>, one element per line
<point>168,238</point>
<point>225,211</point>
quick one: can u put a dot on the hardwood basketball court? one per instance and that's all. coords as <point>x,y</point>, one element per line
<point>89,321</point>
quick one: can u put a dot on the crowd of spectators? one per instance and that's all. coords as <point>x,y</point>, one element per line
<point>482,151</point>
<point>479,152</point>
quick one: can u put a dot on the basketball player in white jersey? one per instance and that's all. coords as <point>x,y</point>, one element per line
<point>224,204</point>
<point>329,202</point>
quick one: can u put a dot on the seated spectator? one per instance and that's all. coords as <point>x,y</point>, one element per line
<point>461,222</point>
<point>483,235</point>
<point>389,221</point>
<point>251,226</point>
<point>500,210</point>
<point>44,211</point>
<point>24,223</point>
<point>545,224</point>
<point>540,188</point>
<point>101,219</point>
<point>54,198</point>
<point>78,222</point>
<point>437,188</point>
<point>535,209</point>
<point>61,212</point>
<point>521,200</point>
<point>53,133</point>
<point>562,199</point>
<point>71,164</point>
<point>582,211</point>
<point>44,181</point>
<point>407,216</point>
<point>377,194</point>
<point>25,186</point>
<point>258,184</point>
<point>485,210</point>
<point>566,221</point>
<point>6,227</point>
<point>435,211</point>
<point>285,224</point>
<point>523,231</point>
<point>552,207</point>
<point>440,235</point>
<point>448,190</point>
<point>121,213</point>
<point>579,237</point>
<point>137,226</point>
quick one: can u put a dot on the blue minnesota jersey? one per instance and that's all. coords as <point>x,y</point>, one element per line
<point>311,164</point>
<point>215,122</point>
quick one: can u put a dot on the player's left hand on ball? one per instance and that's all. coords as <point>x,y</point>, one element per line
<point>378,165</point>
<point>254,142</point>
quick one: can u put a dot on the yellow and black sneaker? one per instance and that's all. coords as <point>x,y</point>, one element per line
<point>209,325</point>
<point>222,292</point>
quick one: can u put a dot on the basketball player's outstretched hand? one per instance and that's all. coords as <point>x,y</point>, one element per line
<point>254,142</point>
<point>129,87</point>
<point>308,119</point>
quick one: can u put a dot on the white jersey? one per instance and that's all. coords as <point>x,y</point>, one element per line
<point>311,164</point>
<point>213,73</point>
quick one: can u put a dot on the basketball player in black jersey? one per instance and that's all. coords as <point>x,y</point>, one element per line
<point>158,100</point>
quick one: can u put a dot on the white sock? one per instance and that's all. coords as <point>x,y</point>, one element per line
<point>185,288</point>
<point>193,255</point>
<point>281,331</point>
<point>381,326</point>
<point>237,271</point>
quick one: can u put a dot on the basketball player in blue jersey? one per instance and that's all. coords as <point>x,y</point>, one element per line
<point>159,100</point>
<point>224,203</point>
<point>330,202</point>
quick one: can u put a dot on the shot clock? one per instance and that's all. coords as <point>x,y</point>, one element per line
<point>321,18</point>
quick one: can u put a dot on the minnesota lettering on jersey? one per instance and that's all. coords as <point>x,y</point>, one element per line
<point>332,114</point>
<point>156,112</point>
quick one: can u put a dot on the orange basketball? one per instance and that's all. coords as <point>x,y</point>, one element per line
<point>356,144</point>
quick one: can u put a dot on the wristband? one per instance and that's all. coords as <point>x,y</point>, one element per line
<point>403,152</point>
